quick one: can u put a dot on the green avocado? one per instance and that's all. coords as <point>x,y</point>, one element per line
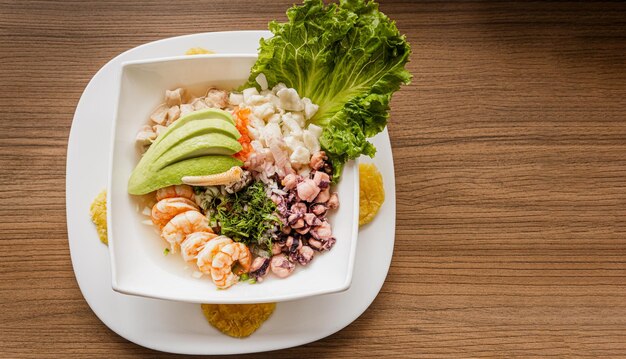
<point>212,143</point>
<point>208,113</point>
<point>189,131</point>
<point>140,183</point>
<point>195,145</point>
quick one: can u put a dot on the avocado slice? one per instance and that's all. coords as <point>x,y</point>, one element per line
<point>208,113</point>
<point>188,131</point>
<point>142,182</point>
<point>222,132</point>
<point>201,141</point>
<point>212,143</point>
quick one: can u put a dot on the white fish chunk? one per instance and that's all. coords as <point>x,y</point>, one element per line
<point>310,109</point>
<point>173,114</point>
<point>249,92</point>
<point>146,135</point>
<point>235,99</point>
<point>315,130</point>
<point>160,114</point>
<point>185,109</point>
<point>289,100</point>
<point>275,118</point>
<point>174,97</point>
<point>291,123</point>
<point>279,86</point>
<point>264,111</point>
<point>216,98</point>
<point>198,104</point>
<point>300,156</point>
<point>310,141</point>
<point>262,81</point>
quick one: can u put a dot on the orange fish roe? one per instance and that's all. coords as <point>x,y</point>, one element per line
<point>241,122</point>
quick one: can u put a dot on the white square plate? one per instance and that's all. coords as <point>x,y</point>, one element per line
<point>138,264</point>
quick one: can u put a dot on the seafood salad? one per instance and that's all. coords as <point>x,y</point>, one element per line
<point>242,180</point>
<point>267,215</point>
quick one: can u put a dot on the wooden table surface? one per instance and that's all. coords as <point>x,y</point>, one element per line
<point>510,154</point>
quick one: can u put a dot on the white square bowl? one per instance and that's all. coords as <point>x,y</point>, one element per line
<point>138,264</point>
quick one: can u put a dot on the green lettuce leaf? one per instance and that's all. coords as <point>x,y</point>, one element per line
<point>349,59</point>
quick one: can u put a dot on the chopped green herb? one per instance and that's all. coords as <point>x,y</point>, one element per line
<point>247,216</point>
<point>166,251</point>
<point>244,277</point>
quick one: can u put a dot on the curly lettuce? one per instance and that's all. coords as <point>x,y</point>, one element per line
<point>348,58</point>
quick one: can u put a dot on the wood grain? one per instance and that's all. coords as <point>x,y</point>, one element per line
<point>510,150</point>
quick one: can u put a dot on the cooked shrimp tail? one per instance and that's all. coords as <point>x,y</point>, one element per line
<point>177,229</point>
<point>167,208</point>
<point>182,190</point>
<point>222,264</point>
<point>194,243</point>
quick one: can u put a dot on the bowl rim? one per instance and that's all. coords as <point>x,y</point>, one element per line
<point>175,58</point>
<point>122,288</point>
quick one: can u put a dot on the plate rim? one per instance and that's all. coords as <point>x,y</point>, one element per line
<point>71,209</point>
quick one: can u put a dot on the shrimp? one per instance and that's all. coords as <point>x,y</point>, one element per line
<point>221,267</point>
<point>177,229</point>
<point>175,191</point>
<point>166,209</point>
<point>210,249</point>
<point>194,243</point>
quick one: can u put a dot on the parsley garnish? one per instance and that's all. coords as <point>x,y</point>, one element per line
<point>248,216</point>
